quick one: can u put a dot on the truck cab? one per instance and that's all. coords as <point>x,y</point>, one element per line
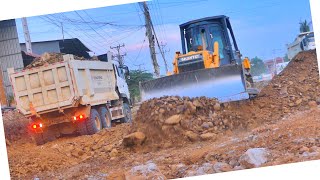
<point>308,42</point>
<point>121,73</point>
<point>303,42</point>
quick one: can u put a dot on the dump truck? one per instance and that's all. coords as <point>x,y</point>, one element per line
<point>303,42</point>
<point>210,65</point>
<point>72,96</point>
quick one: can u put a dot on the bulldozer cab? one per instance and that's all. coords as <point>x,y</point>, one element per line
<point>201,34</point>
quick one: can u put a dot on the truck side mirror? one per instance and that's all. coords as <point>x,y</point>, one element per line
<point>126,71</point>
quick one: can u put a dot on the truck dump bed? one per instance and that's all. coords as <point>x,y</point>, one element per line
<point>63,85</point>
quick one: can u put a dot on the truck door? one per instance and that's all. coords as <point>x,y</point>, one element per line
<point>121,81</point>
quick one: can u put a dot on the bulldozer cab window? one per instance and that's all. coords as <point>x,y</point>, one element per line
<point>195,37</point>
<point>205,36</point>
<point>215,33</point>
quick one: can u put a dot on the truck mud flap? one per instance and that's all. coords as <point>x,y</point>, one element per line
<point>225,83</point>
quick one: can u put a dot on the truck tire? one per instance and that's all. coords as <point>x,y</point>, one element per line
<point>39,139</point>
<point>127,114</point>
<point>42,138</point>
<point>105,117</point>
<point>82,128</point>
<point>93,123</point>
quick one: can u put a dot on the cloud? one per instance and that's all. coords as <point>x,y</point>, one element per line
<point>169,35</point>
<point>138,46</point>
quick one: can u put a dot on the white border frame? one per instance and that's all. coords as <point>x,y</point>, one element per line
<point>35,7</point>
<point>315,6</point>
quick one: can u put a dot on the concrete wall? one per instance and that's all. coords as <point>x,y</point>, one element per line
<point>40,48</point>
<point>10,52</point>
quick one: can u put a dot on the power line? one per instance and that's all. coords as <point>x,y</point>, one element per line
<point>43,18</point>
<point>89,36</point>
<point>161,18</point>
<point>162,53</point>
<point>83,21</point>
<point>155,16</point>
<point>183,3</point>
<point>131,30</point>
<point>96,21</point>
<point>58,25</point>
<point>91,26</point>
<point>135,60</point>
<point>124,37</point>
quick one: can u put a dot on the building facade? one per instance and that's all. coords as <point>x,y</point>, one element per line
<point>10,56</point>
<point>272,64</point>
<point>68,46</point>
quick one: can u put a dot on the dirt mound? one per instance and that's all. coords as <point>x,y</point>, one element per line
<point>174,120</point>
<point>65,152</point>
<point>15,125</point>
<point>261,84</point>
<point>171,121</point>
<point>51,58</point>
<point>296,88</point>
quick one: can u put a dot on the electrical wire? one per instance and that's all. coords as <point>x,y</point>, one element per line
<point>91,27</point>
<point>51,19</point>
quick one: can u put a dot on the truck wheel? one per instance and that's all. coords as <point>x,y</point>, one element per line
<point>42,138</point>
<point>39,139</point>
<point>82,128</point>
<point>127,114</point>
<point>105,117</point>
<point>93,122</point>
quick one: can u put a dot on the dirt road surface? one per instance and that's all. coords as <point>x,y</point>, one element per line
<point>179,137</point>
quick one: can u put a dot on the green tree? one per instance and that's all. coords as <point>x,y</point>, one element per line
<point>285,58</point>
<point>304,26</point>
<point>135,77</point>
<point>258,66</point>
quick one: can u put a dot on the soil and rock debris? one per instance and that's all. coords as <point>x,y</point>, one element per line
<point>174,137</point>
<point>51,58</point>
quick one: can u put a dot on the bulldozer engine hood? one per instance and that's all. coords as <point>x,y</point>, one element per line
<point>190,62</point>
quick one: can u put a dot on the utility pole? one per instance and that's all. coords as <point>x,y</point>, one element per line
<point>119,55</point>
<point>151,38</point>
<point>62,31</point>
<point>26,34</point>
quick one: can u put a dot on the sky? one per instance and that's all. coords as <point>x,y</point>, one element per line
<point>262,28</point>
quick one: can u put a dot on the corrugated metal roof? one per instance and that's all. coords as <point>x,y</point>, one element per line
<point>68,46</point>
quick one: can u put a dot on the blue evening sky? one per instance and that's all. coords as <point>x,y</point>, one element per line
<point>262,28</point>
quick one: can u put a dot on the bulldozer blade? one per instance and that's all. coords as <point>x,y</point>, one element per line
<point>225,83</point>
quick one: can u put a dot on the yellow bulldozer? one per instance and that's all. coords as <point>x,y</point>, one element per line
<point>210,65</point>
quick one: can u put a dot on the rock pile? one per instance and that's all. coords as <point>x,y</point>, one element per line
<point>175,119</point>
<point>51,58</point>
<point>296,88</point>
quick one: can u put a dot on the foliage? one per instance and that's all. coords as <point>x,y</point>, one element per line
<point>137,76</point>
<point>11,100</point>
<point>285,58</point>
<point>257,66</point>
<point>304,26</point>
